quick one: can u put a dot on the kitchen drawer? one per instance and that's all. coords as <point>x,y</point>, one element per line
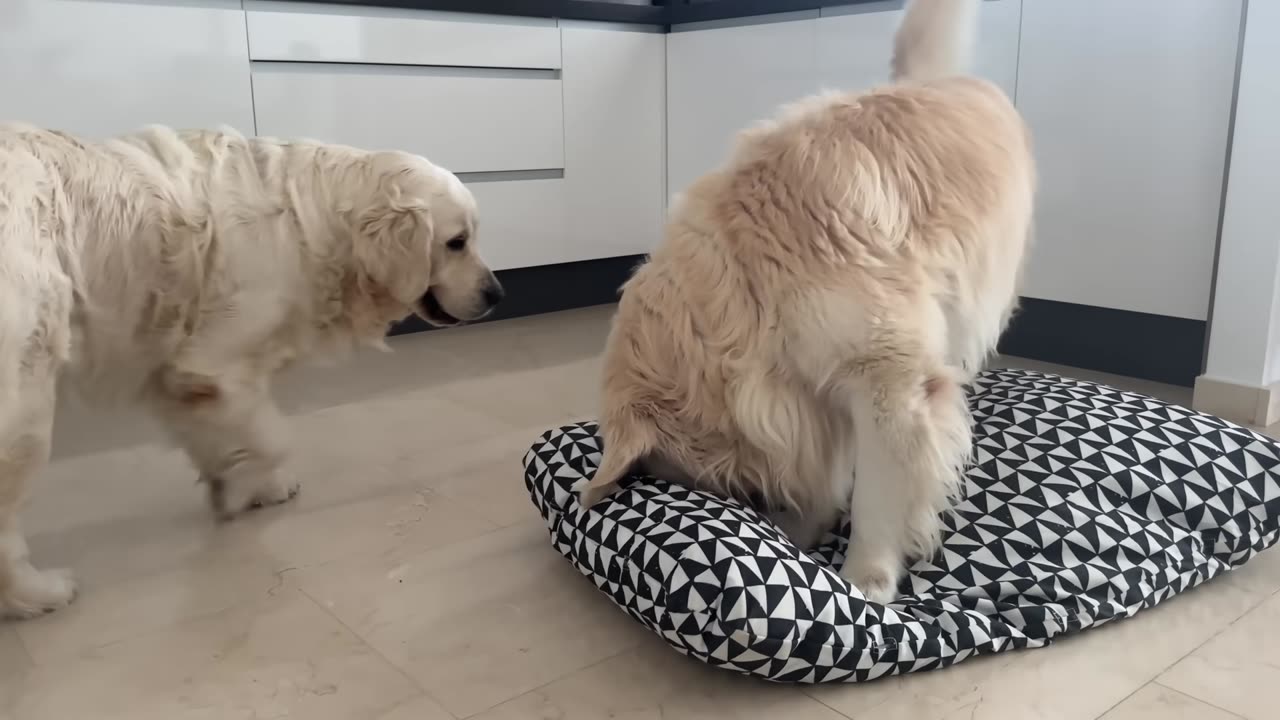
<point>523,223</point>
<point>343,34</point>
<point>467,120</point>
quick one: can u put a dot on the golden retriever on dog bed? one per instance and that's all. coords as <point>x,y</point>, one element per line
<point>803,334</point>
<point>183,269</point>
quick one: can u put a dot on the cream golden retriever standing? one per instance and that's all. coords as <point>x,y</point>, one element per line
<point>803,334</point>
<point>183,269</point>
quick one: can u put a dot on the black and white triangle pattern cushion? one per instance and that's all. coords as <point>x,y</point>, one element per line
<point>1084,504</point>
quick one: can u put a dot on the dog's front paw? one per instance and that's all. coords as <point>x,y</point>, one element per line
<point>32,593</point>
<point>274,493</point>
<point>877,580</point>
<point>230,498</point>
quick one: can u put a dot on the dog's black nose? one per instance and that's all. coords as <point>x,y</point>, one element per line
<point>494,293</point>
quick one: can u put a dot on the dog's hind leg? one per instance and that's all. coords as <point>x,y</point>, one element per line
<point>26,425</point>
<point>913,439</point>
<point>628,439</point>
<point>233,433</point>
<point>887,367</point>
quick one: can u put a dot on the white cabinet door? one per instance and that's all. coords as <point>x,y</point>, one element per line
<point>855,44</point>
<point>614,113</point>
<point>522,222</point>
<point>1129,105</point>
<point>103,67</point>
<point>722,80</point>
<point>995,57</point>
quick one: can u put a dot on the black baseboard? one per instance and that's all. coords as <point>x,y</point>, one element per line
<point>1152,347</point>
<point>552,288</point>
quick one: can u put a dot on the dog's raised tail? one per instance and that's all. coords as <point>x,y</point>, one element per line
<point>935,39</point>
<point>628,438</point>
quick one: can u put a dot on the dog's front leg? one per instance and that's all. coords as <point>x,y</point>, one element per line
<point>26,424</point>
<point>235,436</point>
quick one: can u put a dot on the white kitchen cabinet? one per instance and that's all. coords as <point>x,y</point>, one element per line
<point>614,115</point>
<point>1129,104</point>
<point>302,32</point>
<point>722,80</point>
<point>464,119</point>
<point>995,57</point>
<point>104,67</point>
<point>523,223</point>
<point>855,44</point>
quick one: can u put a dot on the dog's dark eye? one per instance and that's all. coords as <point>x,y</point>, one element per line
<point>457,243</point>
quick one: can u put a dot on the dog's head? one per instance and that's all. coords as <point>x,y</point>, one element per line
<point>416,242</point>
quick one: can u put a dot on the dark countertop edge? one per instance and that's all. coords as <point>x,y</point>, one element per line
<point>730,9</point>
<point>562,9</point>
<point>603,11</point>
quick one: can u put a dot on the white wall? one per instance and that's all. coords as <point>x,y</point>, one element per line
<point>1244,341</point>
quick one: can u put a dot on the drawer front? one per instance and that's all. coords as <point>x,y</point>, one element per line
<point>357,35</point>
<point>523,223</point>
<point>464,120</point>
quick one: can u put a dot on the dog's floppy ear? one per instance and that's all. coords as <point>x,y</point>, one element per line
<point>392,249</point>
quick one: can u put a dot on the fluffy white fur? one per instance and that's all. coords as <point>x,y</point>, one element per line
<point>801,337</point>
<point>182,270</point>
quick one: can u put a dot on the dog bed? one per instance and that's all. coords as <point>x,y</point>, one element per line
<point>1084,504</point>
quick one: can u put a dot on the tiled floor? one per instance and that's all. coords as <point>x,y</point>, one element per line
<point>412,580</point>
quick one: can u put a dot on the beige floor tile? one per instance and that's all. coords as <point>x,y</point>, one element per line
<point>155,536</point>
<point>500,448</point>
<point>387,528</point>
<point>531,342</point>
<point>419,707</point>
<point>15,664</point>
<point>138,580</point>
<point>924,696</point>
<point>478,622</point>
<point>1077,678</point>
<point>112,488</point>
<point>494,488</point>
<point>1239,669</point>
<point>367,375</point>
<point>494,492</point>
<point>531,370</point>
<point>652,682</point>
<point>84,429</point>
<point>108,614</point>
<point>281,657</point>
<point>546,394</point>
<point>1156,702</point>
<point>356,451</point>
